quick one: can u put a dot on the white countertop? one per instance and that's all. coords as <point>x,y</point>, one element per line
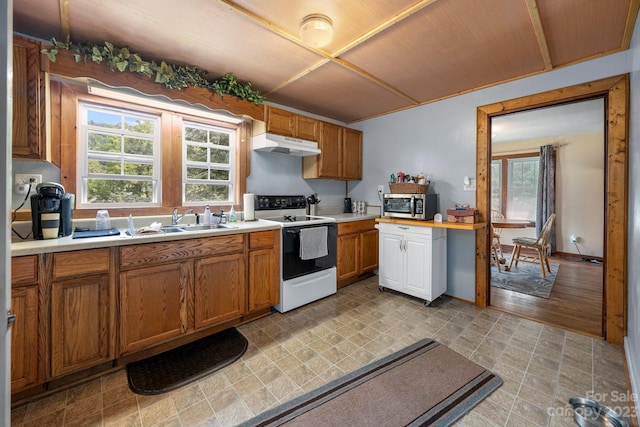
<point>347,217</point>
<point>31,246</point>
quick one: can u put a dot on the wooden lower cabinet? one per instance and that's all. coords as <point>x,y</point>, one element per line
<point>219,289</point>
<point>357,251</point>
<point>24,331</point>
<point>78,312</point>
<point>81,305</point>
<point>264,269</point>
<point>153,305</point>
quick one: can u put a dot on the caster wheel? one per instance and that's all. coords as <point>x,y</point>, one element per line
<point>428,303</point>
<point>381,288</point>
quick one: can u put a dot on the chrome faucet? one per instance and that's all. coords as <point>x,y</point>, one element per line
<point>175,219</point>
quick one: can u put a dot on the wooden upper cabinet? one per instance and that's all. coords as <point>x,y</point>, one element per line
<point>287,123</point>
<point>330,165</point>
<point>340,154</point>
<point>351,154</point>
<point>306,128</point>
<point>28,101</point>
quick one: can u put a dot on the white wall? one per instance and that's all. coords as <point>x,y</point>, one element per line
<point>632,341</point>
<point>440,139</point>
<point>579,190</point>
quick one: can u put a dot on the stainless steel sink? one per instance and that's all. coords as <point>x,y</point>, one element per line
<point>194,227</point>
<point>171,229</point>
<point>199,227</point>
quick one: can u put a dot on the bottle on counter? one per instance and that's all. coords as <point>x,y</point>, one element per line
<point>232,214</point>
<point>207,215</point>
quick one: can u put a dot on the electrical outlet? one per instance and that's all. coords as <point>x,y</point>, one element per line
<point>380,188</point>
<point>573,238</point>
<point>22,180</point>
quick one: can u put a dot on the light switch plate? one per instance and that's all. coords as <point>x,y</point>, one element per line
<point>471,186</point>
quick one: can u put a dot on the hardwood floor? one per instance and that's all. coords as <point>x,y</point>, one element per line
<point>575,303</point>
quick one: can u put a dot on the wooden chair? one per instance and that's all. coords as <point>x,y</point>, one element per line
<point>496,215</point>
<point>495,242</point>
<point>539,244</point>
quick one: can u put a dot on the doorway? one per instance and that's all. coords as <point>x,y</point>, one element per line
<point>576,132</point>
<point>615,91</point>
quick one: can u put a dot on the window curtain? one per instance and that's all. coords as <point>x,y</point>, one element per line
<point>546,203</point>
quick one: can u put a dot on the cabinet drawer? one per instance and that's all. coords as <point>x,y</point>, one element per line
<point>77,263</point>
<point>24,270</point>
<point>356,226</point>
<point>261,239</point>
<point>148,254</point>
<point>415,229</point>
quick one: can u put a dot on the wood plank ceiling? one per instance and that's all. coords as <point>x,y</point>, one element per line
<point>385,55</point>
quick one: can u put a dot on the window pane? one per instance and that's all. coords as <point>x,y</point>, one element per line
<point>219,138</point>
<point>104,167</point>
<point>219,156</point>
<point>220,174</point>
<point>195,134</point>
<point>104,119</point>
<point>196,154</point>
<point>104,143</point>
<point>119,191</point>
<point>136,124</point>
<point>139,146</point>
<point>522,188</point>
<point>206,193</point>
<point>139,169</point>
<point>496,185</point>
<point>197,173</point>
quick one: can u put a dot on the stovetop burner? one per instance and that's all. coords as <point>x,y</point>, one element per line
<point>286,210</point>
<point>291,218</point>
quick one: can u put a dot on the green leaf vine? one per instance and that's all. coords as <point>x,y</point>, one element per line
<point>172,76</point>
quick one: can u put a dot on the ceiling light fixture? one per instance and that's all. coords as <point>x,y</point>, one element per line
<point>316,30</point>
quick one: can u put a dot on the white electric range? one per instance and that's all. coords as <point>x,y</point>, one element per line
<point>301,280</point>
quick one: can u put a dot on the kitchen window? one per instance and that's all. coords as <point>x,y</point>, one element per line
<point>514,185</point>
<point>119,162</point>
<point>144,155</point>
<point>208,168</point>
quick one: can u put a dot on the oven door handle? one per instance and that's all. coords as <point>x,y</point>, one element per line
<point>413,206</point>
<point>289,231</point>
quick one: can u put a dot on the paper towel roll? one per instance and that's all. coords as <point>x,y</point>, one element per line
<point>248,206</point>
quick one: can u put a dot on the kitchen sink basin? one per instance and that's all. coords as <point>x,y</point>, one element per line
<point>196,227</point>
<point>171,229</point>
<point>200,227</point>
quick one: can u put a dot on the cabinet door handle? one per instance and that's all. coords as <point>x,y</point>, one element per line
<point>11,318</point>
<point>403,228</point>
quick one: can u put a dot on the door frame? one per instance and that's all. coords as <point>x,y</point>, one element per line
<point>615,91</point>
<point>6,108</point>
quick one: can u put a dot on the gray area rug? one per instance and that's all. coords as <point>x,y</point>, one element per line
<point>525,279</point>
<point>423,384</point>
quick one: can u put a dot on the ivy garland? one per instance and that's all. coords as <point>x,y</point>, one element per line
<point>172,76</point>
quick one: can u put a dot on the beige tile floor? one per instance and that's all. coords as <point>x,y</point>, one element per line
<point>292,353</point>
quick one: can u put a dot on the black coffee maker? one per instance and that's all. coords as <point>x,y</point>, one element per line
<point>50,197</point>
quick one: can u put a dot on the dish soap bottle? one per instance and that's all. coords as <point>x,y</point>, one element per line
<point>232,214</point>
<point>207,215</point>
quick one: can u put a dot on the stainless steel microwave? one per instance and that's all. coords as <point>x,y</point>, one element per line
<point>410,206</point>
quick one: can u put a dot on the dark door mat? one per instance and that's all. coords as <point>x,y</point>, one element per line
<point>174,368</point>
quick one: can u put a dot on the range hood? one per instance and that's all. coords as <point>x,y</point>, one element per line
<point>284,144</point>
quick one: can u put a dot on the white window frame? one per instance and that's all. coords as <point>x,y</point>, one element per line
<point>84,156</point>
<point>231,167</point>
